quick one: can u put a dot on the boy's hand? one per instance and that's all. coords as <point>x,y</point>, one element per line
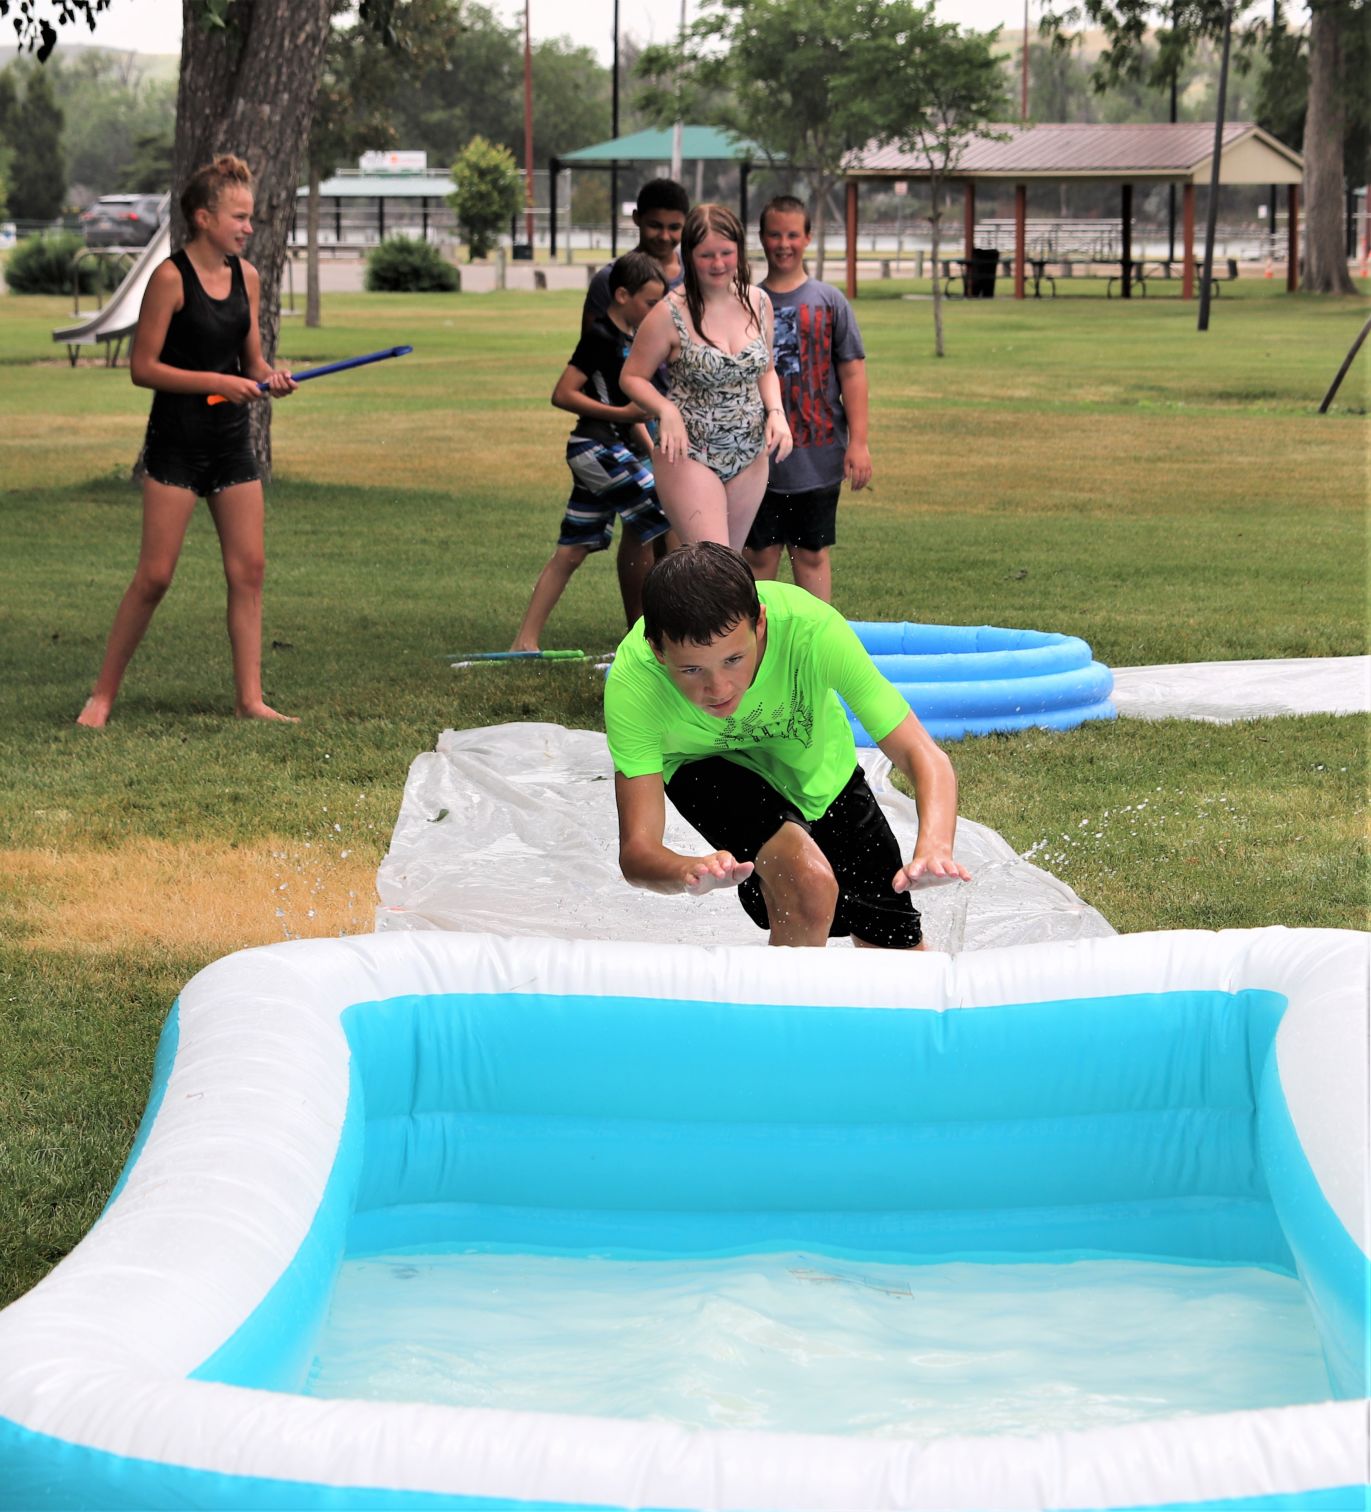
<point>703,874</point>
<point>630,414</point>
<point>930,869</point>
<point>857,464</point>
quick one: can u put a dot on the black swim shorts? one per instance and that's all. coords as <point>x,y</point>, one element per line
<point>738,810</point>
<point>808,520</point>
<point>204,470</point>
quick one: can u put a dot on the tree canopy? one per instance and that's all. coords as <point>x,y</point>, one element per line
<point>778,73</point>
<point>1336,129</point>
<point>36,171</point>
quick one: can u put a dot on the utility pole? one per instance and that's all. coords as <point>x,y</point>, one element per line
<point>676,129</point>
<point>1171,188</point>
<point>614,134</point>
<point>1211,219</point>
<point>528,130</point>
<point>1023,102</point>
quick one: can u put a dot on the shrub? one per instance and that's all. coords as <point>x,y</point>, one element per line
<point>42,265</point>
<point>488,192</point>
<point>406,265</point>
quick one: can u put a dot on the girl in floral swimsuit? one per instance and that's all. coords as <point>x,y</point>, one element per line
<point>723,413</point>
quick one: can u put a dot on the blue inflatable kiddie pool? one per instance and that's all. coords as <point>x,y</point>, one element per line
<point>983,680</point>
<point>1199,1100</point>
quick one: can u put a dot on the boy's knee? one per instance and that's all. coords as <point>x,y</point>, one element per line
<point>796,879</point>
<point>765,561</point>
<point>805,556</point>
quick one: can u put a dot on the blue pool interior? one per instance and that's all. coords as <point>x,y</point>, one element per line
<point>1144,1127</point>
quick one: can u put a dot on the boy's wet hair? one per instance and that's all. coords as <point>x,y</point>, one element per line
<point>663,194</point>
<point>208,183</point>
<point>784,204</point>
<point>633,270</point>
<point>697,593</point>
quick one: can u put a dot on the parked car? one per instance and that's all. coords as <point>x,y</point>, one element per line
<point>123,220</point>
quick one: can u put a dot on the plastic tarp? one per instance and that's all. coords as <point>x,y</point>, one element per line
<point>512,830</point>
<point>1222,692</point>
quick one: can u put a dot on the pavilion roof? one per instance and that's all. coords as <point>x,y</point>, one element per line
<point>711,144</point>
<point>1173,152</point>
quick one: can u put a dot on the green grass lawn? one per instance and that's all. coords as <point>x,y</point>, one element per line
<point>1078,465</point>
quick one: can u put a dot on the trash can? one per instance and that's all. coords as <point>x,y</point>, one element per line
<point>523,252</point>
<point>980,279</point>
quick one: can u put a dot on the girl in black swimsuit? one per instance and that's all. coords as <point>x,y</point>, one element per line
<point>197,336</point>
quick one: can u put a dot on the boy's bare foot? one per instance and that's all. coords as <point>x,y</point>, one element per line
<point>261,710</point>
<point>520,645</point>
<point>95,714</point>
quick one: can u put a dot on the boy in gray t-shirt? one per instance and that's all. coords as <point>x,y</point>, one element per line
<point>821,363</point>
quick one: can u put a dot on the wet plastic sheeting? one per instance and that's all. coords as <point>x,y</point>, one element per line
<point>512,830</point>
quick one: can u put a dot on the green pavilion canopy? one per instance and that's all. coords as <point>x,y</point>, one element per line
<point>707,144</point>
<point>710,144</point>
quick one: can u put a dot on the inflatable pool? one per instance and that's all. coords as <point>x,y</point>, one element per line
<point>1188,1097</point>
<point>981,680</point>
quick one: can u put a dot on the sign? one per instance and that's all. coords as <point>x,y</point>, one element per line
<point>393,162</point>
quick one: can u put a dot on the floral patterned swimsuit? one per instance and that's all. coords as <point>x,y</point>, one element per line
<point>719,400</point>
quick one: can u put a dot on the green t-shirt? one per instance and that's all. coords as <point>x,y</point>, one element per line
<point>789,727</point>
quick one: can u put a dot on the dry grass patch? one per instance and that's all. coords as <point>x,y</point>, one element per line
<point>188,898</point>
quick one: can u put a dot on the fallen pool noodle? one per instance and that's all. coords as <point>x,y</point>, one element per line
<point>300,1080</point>
<point>982,679</point>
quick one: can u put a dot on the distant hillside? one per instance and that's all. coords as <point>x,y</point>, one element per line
<point>157,67</point>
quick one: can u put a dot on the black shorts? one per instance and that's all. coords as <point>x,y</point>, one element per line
<point>807,520</point>
<point>203,448</point>
<point>204,471</point>
<point>737,810</point>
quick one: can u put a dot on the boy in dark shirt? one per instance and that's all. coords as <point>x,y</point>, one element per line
<point>660,218</point>
<point>607,452</point>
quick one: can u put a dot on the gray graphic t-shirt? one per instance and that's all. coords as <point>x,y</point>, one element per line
<point>815,331</point>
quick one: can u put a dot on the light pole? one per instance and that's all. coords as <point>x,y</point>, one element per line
<point>676,129</point>
<point>1023,100</point>
<point>1212,208</point>
<point>528,131</point>
<point>614,134</point>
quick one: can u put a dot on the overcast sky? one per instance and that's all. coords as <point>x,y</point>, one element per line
<point>155,25</point>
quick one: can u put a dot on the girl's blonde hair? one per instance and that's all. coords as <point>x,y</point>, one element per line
<point>207,184</point>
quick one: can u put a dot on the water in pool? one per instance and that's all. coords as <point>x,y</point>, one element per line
<point>811,1344</point>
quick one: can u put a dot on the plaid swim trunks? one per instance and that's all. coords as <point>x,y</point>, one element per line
<point>608,479</point>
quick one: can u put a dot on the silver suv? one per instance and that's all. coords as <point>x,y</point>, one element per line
<point>123,220</point>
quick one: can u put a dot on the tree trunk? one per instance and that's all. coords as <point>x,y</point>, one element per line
<point>312,312</point>
<point>1325,250</point>
<point>248,88</point>
<point>935,216</point>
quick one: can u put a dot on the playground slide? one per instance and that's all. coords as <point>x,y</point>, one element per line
<point>116,320</point>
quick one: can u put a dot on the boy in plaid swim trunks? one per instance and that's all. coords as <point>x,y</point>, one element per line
<point>607,452</point>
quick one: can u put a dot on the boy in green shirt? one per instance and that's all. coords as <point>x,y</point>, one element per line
<point>725,700</point>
